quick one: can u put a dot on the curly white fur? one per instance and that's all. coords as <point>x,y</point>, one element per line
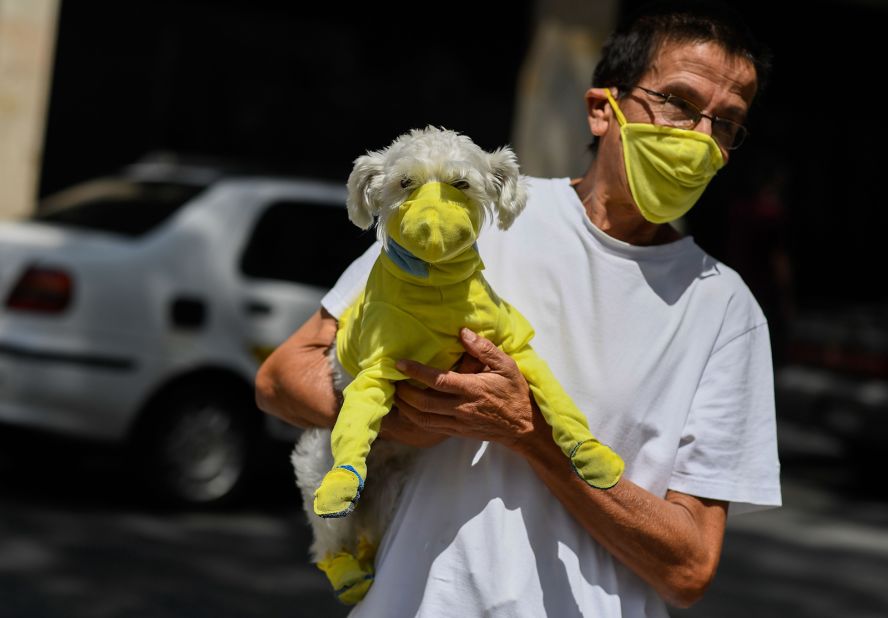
<point>382,180</point>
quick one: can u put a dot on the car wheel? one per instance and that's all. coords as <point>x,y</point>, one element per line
<point>201,449</point>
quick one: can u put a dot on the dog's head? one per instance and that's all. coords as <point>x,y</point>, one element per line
<point>434,166</point>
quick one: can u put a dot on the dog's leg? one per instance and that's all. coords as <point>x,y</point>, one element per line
<point>337,549</point>
<point>366,401</point>
<point>593,461</point>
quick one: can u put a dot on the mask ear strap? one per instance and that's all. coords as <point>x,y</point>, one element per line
<point>620,117</point>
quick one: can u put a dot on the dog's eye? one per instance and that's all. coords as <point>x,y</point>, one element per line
<point>406,182</point>
<point>462,185</point>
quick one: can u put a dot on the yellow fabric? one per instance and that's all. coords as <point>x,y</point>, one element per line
<point>593,461</point>
<point>436,222</point>
<point>667,168</point>
<point>404,316</point>
<point>366,553</point>
<point>342,489</point>
<point>350,576</point>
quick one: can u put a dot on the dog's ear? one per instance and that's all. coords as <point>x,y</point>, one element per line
<point>508,184</point>
<point>364,184</point>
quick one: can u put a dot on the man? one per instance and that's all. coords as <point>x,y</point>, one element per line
<point>661,346</point>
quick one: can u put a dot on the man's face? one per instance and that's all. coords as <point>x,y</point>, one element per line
<point>702,73</point>
<point>718,84</point>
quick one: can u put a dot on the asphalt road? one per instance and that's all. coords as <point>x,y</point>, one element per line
<point>77,539</point>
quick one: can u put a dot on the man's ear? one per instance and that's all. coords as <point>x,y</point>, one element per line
<point>598,111</point>
<point>508,185</point>
<point>363,186</point>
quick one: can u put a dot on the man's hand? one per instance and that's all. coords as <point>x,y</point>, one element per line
<point>672,542</point>
<point>398,428</point>
<point>492,404</point>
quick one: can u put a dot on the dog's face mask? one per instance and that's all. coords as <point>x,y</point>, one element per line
<point>436,222</point>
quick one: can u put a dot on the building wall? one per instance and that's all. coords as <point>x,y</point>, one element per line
<point>551,133</point>
<point>27,38</point>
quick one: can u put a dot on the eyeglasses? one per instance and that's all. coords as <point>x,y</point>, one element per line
<point>674,111</point>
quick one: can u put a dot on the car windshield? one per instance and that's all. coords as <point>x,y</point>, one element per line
<point>118,206</point>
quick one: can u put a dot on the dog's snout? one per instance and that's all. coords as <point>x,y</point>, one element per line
<point>424,232</point>
<point>435,224</point>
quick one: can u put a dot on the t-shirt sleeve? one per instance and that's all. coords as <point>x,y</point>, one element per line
<point>351,283</point>
<point>728,448</point>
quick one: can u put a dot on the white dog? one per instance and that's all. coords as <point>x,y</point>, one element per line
<point>430,192</point>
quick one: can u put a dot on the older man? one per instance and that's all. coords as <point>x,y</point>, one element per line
<point>663,348</point>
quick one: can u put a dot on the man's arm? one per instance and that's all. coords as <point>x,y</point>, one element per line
<point>295,384</point>
<point>673,543</point>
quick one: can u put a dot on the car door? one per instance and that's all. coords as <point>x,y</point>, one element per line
<point>295,252</point>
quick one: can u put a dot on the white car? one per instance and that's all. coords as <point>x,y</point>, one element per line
<point>136,309</point>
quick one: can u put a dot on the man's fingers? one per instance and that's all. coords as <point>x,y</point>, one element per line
<point>430,422</point>
<point>470,364</point>
<point>400,428</point>
<point>425,399</point>
<point>444,381</point>
<point>484,350</point>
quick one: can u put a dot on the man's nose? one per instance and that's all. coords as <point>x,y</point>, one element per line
<point>704,125</point>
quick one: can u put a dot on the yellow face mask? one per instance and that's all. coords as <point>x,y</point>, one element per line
<point>436,222</point>
<point>667,168</point>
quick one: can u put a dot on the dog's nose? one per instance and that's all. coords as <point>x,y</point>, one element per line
<point>425,231</point>
<point>436,231</point>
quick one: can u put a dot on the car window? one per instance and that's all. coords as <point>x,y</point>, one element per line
<point>116,206</point>
<point>303,242</point>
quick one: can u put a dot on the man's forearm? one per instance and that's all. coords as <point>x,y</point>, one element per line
<point>674,543</point>
<point>295,383</point>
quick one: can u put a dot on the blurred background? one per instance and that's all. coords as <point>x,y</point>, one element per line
<point>152,156</point>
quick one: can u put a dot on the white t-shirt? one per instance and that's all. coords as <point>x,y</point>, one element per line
<point>667,353</point>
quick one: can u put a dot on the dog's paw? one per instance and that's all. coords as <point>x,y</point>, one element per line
<point>596,464</point>
<point>350,577</point>
<point>339,492</point>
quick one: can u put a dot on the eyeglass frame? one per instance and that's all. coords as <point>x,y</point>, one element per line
<point>665,96</point>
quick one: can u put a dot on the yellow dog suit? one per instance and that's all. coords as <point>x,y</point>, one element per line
<point>424,287</point>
